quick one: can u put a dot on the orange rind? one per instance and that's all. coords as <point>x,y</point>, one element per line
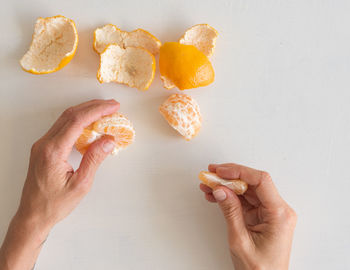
<point>182,113</point>
<point>132,66</point>
<point>115,125</point>
<point>54,44</point>
<point>212,180</point>
<point>184,66</point>
<point>202,36</point>
<point>109,34</point>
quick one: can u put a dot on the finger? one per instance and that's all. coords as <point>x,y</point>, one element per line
<point>250,196</point>
<point>205,188</point>
<point>61,121</point>
<point>90,162</point>
<point>210,198</point>
<point>212,167</point>
<point>232,210</point>
<point>259,181</point>
<point>70,125</point>
<point>251,217</point>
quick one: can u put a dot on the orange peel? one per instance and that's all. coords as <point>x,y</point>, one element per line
<point>54,43</point>
<point>202,36</point>
<point>132,66</point>
<point>109,34</point>
<point>212,180</point>
<point>183,114</point>
<point>115,125</point>
<point>184,66</point>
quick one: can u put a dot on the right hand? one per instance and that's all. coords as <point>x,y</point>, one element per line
<point>260,223</point>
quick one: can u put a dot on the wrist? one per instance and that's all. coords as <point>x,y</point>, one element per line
<point>31,226</point>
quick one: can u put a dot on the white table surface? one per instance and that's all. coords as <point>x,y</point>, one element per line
<point>280,102</point>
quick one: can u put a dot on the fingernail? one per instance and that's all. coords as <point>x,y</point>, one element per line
<point>219,195</point>
<point>108,146</point>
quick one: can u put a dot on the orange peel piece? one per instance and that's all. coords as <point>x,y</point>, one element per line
<point>212,180</point>
<point>115,125</point>
<point>54,43</point>
<point>109,33</point>
<point>132,66</point>
<point>182,113</point>
<point>202,36</point>
<point>185,66</point>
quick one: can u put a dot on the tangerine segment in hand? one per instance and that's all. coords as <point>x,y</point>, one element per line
<point>212,180</point>
<point>116,125</point>
<point>183,114</point>
<point>132,66</point>
<point>54,43</point>
<point>202,36</point>
<point>138,38</point>
<point>185,66</point>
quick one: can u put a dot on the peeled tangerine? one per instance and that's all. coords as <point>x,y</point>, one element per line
<point>54,43</point>
<point>184,66</point>
<point>132,66</point>
<point>116,125</point>
<point>203,37</point>
<point>212,180</point>
<point>138,38</point>
<point>182,113</point>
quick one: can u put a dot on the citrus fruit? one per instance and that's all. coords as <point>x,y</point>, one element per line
<point>212,180</point>
<point>116,125</point>
<point>183,114</point>
<point>202,36</point>
<point>132,66</point>
<point>54,43</point>
<point>185,66</point>
<point>138,38</point>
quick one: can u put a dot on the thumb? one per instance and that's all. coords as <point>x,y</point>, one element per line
<point>92,159</point>
<point>233,213</point>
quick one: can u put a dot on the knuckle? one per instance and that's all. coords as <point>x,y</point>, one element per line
<point>265,176</point>
<point>47,150</point>
<point>286,215</point>
<point>291,215</point>
<point>92,159</point>
<point>231,211</point>
<point>35,148</point>
<point>68,113</point>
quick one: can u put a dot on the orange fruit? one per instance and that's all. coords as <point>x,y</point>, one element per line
<point>116,125</point>
<point>212,180</point>
<point>183,114</point>
<point>185,66</point>
<point>55,41</point>
<point>109,34</point>
<point>202,36</point>
<point>132,66</point>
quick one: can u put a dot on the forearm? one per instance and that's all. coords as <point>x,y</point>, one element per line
<point>22,244</point>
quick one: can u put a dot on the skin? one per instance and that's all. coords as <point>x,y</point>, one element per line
<point>52,188</point>
<point>260,224</point>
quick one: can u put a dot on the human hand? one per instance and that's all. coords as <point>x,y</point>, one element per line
<point>52,188</point>
<point>260,223</point>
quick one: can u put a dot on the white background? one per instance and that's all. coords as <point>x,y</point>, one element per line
<point>280,102</point>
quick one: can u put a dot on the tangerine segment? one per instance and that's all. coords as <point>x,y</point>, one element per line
<point>185,66</point>
<point>54,44</point>
<point>212,180</point>
<point>183,114</point>
<point>116,125</point>
<point>138,38</point>
<point>202,36</point>
<point>132,66</point>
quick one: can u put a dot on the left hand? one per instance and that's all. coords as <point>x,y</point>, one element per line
<point>52,188</point>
